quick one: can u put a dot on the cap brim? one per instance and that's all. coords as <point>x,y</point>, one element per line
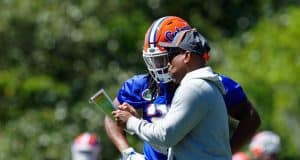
<point>167,45</point>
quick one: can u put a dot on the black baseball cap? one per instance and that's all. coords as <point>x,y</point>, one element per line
<point>190,40</point>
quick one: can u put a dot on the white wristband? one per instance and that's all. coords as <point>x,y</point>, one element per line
<point>127,152</point>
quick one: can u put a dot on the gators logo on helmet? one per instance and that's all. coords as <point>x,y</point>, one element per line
<point>162,30</point>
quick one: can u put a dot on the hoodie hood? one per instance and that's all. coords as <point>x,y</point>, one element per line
<point>205,73</point>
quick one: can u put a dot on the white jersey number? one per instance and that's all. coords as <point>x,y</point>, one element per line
<point>156,111</point>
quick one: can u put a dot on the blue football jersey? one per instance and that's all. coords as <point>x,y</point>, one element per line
<point>234,93</point>
<point>135,92</point>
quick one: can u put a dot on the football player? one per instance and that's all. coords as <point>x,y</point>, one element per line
<point>153,92</point>
<point>265,145</point>
<point>86,146</point>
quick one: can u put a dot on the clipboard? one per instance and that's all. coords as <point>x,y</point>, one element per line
<point>103,101</point>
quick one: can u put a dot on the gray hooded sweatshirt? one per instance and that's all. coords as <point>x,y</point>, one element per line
<point>196,126</point>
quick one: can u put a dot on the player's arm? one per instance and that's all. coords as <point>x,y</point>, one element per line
<point>116,134</point>
<point>249,121</point>
<point>118,137</point>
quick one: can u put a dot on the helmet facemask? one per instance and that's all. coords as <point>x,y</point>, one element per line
<point>81,154</point>
<point>157,64</point>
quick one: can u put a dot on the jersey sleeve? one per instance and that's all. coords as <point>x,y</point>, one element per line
<point>234,92</point>
<point>131,91</point>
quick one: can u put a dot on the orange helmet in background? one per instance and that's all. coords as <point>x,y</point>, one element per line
<point>265,143</point>
<point>86,146</point>
<point>156,57</point>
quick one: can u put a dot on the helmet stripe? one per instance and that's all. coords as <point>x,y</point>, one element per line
<point>85,138</point>
<point>153,31</point>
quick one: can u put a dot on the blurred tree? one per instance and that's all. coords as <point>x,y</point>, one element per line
<point>267,63</point>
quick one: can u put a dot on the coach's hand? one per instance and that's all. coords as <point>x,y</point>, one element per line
<point>123,113</point>
<point>127,107</point>
<point>121,117</point>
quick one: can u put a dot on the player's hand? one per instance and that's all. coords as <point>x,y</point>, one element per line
<point>131,154</point>
<point>127,107</point>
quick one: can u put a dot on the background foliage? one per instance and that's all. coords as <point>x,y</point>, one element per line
<point>55,54</point>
